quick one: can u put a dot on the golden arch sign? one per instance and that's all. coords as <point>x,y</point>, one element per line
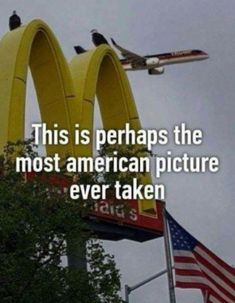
<point>65,92</point>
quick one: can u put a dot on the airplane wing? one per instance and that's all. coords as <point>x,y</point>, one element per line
<point>134,58</point>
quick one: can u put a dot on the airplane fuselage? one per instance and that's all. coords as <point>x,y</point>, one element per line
<point>159,60</point>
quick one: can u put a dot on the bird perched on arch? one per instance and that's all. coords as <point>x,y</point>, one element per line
<point>14,21</point>
<point>98,38</point>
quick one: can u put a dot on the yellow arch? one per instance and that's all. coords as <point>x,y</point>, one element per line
<point>33,45</point>
<point>99,72</point>
<point>65,92</point>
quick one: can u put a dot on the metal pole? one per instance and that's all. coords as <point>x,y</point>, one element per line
<point>129,289</point>
<point>127,292</point>
<point>168,259</point>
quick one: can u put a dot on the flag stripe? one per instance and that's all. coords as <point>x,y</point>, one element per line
<point>189,260</point>
<point>217,260</point>
<point>191,284</point>
<point>224,269</point>
<point>213,299</point>
<point>199,259</point>
<point>182,275</point>
<point>183,253</point>
<point>228,293</point>
<point>209,268</point>
<point>193,280</point>
<point>190,272</point>
<point>194,273</point>
<point>192,266</point>
<point>194,270</point>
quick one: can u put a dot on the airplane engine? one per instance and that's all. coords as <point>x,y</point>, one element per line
<point>156,71</point>
<point>152,61</point>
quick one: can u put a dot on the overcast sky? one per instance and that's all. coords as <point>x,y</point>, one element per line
<point>202,94</point>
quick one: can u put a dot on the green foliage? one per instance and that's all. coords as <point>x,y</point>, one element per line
<point>35,222</point>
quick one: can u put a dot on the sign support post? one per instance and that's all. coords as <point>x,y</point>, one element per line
<point>76,254</point>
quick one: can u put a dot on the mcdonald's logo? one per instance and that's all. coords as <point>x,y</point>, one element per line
<point>65,91</point>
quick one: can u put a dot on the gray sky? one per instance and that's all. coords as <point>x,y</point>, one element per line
<point>201,94</point>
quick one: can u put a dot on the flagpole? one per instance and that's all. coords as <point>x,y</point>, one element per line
<point>168,258</point>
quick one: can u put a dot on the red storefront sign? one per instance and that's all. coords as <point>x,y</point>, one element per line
<point>126,213</point>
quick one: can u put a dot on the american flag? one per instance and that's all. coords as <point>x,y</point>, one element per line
<point>197,267</point>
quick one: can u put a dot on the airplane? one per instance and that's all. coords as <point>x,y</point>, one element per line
<point>155,63</point>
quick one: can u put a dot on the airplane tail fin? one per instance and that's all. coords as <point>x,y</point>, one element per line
<point>113,41</point>
<point>79,49</point>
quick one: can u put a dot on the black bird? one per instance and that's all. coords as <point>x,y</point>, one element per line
<point>79,49</point>
<point>98,38</point>
<point>14,21</point>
